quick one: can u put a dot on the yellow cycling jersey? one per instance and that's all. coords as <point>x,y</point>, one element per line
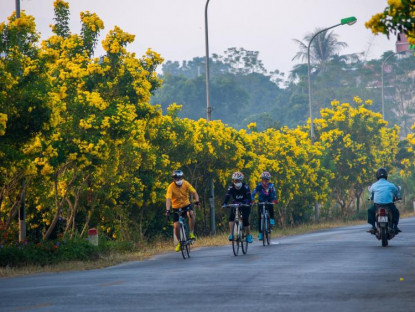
<point>179,195</point>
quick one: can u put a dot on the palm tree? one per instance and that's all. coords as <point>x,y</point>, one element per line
<point>298,73</point>
<point>322,49</point>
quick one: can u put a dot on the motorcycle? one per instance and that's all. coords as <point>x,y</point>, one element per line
<point>385,230</point>
<point>384,224</point>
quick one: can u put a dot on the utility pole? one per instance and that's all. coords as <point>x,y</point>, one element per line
<point>208,118</point>
<point>17,8</point>
<point>22,211</point>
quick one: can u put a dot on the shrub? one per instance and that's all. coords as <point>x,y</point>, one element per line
<point>19,254</point>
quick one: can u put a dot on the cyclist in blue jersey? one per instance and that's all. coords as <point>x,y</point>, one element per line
<point>266,193</point>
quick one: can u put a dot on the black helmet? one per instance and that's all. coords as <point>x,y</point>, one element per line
<point>177,174</point>
<point>381,173</point>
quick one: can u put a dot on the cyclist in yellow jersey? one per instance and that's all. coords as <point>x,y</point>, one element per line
<point>177,197</point>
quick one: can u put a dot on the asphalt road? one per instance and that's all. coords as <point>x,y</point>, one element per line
<point>343,269</point>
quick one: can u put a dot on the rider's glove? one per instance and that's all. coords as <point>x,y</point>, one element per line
<point>223,205</point>
<point>275,201</point>
<point>197,203</point>
<point>167,213</point>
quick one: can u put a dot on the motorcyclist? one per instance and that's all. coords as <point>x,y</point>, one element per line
<point>383,192</point>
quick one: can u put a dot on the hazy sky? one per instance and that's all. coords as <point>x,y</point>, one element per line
<point>175,28</point>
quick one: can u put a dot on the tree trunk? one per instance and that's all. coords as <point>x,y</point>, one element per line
<point>13,213</point>
<point>358,194</point>
<point>70,225</point>
<point>70,219</point>
<point>91,212</point>
<point>57,213</point>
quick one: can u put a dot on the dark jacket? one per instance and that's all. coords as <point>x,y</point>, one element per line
<point>243,195</point>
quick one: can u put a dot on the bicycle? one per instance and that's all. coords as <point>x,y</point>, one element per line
<point>185,241</point>
<point>265,228</point>
<point>238,232</point>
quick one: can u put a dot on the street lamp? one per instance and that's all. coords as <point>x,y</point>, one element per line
<point>383,65</point>
<point>208,118</point>
<point>344,21</point>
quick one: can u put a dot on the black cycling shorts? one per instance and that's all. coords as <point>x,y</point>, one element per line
<point>246,210</point>
<point>174,212</point>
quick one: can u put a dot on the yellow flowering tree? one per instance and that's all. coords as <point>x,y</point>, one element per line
<point>356,142</point>
<point>99,119</point>
<point>398,17</point>
<point>24,109</point>
<point>295,165</point>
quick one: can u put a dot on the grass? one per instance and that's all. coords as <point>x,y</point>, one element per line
<point>147,250</point>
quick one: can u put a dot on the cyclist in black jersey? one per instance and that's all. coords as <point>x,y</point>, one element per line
<point>241,194</point>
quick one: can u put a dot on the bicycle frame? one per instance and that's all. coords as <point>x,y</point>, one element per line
<point>184,239</point>
<point>239,236</point>
<point>265,227</point>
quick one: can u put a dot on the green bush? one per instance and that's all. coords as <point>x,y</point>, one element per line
<point>20,254</point>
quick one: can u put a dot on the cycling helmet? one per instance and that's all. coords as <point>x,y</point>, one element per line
<point>177,174</point>
<point>381,173</point>
<point>238,176</point>
<point>266,175</point>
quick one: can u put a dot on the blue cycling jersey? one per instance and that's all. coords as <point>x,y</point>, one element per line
<point>383,192</point>
<point>265,194</point>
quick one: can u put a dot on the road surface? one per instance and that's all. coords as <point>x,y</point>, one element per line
<point>343,269</point>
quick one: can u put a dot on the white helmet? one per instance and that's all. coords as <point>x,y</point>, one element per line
<point>238,176</point>
<point>266,175</point>
<point>177,174</point>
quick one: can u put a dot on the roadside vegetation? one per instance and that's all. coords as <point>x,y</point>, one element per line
<point>80,255</point>
<point>84,143</point>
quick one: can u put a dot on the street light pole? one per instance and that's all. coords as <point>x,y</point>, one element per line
<point>208,108</point>
<point>208,119</point>
<point>344,21</point>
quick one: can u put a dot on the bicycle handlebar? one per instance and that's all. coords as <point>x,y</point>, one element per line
<point>264,203</point>
<point>237,205</point>
<point>178,211</point>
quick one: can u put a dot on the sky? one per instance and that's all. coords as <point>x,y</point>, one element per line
<point>175,28</point>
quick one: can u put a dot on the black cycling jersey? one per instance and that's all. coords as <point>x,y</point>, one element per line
<point>243,195</point>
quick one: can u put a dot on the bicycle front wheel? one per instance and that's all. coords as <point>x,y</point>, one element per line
<point>268,231</point>
<point>235,240</point>
<point>188,249</point>
<point>183,242</point>
<point>263,229</point>
<point>244,242</point>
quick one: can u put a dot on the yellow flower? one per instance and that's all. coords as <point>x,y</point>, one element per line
<point>3,122</point>
<point>395,3</point>
<point>47,169</point>
<point>252,126</point>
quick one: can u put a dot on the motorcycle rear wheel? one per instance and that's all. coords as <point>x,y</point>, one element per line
<point>384,237</point>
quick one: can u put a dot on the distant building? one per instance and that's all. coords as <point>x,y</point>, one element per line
<point>402,43</point>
